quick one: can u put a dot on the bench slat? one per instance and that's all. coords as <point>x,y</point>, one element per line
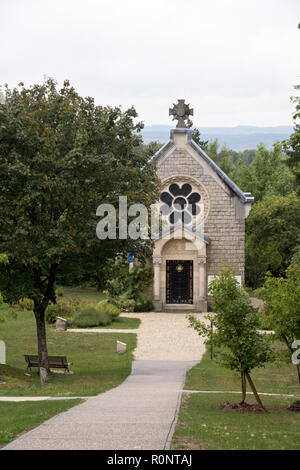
<point>58,362</point>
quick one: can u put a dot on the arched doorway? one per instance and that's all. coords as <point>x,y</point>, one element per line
<point>179,272</point>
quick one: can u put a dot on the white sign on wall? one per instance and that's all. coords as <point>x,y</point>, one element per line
<point>211,278</point>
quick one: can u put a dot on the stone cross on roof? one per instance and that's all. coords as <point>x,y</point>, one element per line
<point>181,112</point>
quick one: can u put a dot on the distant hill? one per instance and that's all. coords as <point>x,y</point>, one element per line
<point>235,138</point>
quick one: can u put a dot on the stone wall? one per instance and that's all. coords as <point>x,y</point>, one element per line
<point>225,224</point>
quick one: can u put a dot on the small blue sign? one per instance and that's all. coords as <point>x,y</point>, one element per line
<point>130,257</point>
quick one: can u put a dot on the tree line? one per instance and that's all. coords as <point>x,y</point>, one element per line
<point>273,178</point>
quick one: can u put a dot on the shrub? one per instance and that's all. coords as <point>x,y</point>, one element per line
<point>91,316</point>
<point>51,313</point>
<point>124,302</point>
<point>126,289</point>
<point>108,307</point>
<point>63,308</point>
<point>139,279</point>
<point>143,303</point>
<point>26,304</point>
<point>59,292</point>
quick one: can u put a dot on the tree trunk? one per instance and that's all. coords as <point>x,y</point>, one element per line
<point>244,387</point>
<point>211,343</point>
<point>298,370</point>
<point>254,390</point>
<point>40,305</point>
<point>39,312</point>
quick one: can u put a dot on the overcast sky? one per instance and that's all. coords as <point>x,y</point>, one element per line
<point>235,61</point>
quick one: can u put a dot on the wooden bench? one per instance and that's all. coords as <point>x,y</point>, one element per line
<point>55,362</point>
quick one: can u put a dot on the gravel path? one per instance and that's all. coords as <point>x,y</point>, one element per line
<point>162,337</point>
<point>167,337</point>
<point>141,412</point>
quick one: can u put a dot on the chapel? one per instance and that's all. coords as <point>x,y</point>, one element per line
<point>203,222</point>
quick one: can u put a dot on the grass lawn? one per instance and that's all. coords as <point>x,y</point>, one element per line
<point>201,425</point>
<point>85,294</point>
<point>274,378</point>
<point>16,418</point>
<point>96,365</point>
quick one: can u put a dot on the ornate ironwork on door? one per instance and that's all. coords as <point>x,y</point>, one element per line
<point>179,282</point>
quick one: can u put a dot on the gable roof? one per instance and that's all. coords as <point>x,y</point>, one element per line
<point>245,197</point>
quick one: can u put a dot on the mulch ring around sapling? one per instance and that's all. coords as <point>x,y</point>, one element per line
<point>294,406</point>
<point>241,407</point>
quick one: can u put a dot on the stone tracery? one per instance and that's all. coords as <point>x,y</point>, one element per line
<point>184,199</point>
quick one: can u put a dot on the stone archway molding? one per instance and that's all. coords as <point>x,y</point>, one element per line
<point>197,244</point>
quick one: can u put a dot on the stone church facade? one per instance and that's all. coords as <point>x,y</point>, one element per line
<point>205,212</point>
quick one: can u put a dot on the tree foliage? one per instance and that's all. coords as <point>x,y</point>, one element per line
<point>273,231</point>
<point>282,305</point>
<point>272,227</point>
<point>60,157</point>
<point>196,136</point>
<point>292,145</point>
<point>128,290</point>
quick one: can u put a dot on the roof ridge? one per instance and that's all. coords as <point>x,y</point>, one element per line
<point>244,196</point>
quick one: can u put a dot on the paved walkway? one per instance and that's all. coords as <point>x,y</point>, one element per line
<point>238,392</point>
<point>141,412</point>
<point>138,414</point>
<point>19,399</point>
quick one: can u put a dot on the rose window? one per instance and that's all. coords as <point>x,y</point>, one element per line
<point>180,203</point>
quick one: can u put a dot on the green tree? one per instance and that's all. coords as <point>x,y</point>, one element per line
<point>292,145</point>
<point>223,158</point>
<point>241,175</point>
<point>263,169</point>
<point>273,231</point>
<point>213,149</point>
<point>269,180</point>
<point>282,305</point>
<point>129,290</point>
<point>60,157</point>
<point>149,149</point>
<point>282,180</point>
<point>240,346</point>
<point>225,162</point>
<point>196,136</point>
<point>248,156</point>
